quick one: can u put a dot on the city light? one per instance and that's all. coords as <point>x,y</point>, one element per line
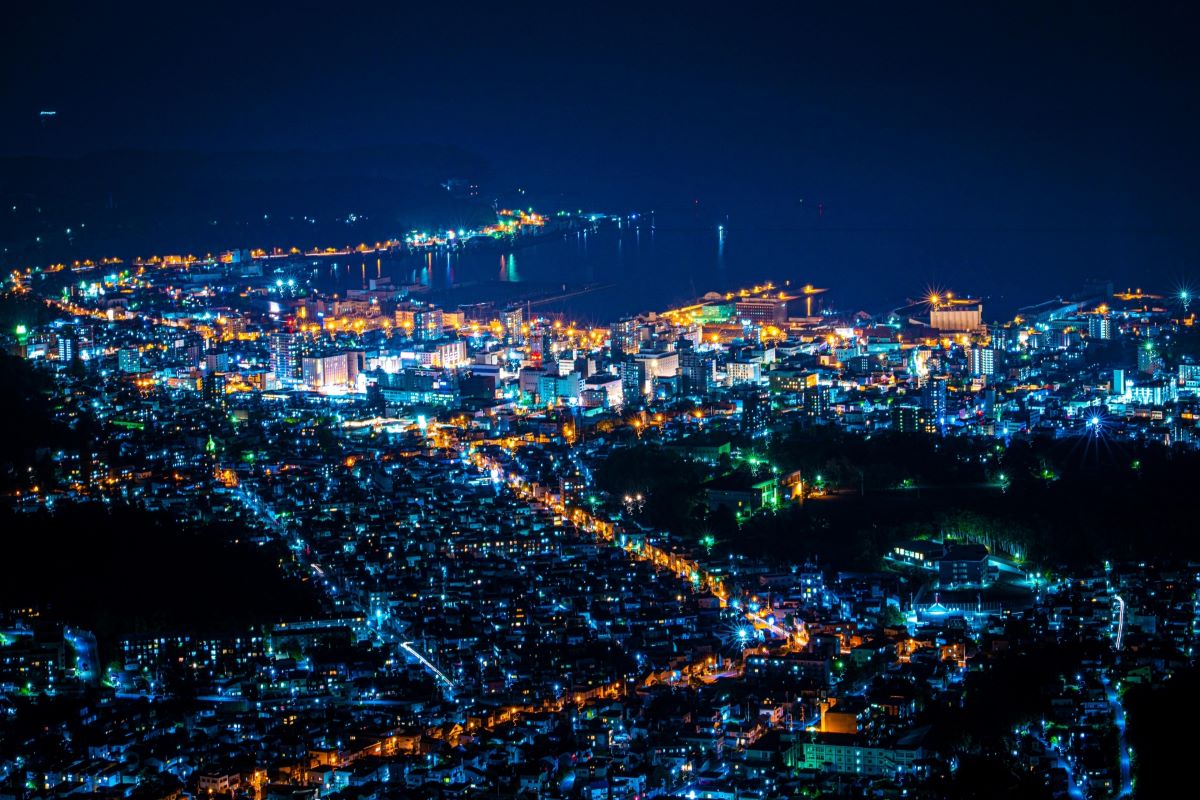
<point>297,514</point>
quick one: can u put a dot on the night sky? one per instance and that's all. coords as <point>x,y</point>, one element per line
<point>1052,142</point>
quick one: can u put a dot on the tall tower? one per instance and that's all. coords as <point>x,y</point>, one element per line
<point>933,398</point>
<point>285,358</point>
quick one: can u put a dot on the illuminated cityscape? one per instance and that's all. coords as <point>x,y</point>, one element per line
<point>534,497</point>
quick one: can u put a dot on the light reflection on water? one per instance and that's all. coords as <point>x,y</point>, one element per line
<point>648,270</point>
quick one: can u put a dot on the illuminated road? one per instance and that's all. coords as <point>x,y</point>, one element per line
<point>1120,637</point>
<point>762,622</point>
<point>87,661</point>
<point>693,575</point>
<point>1118,710</point>
<point>408,648</point>
<point>1114,702</point>
<point>391,632</point>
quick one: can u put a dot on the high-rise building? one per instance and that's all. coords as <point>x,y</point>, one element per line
<point>1100,326</point>
<point>1007,338</point>
<point>285,357</point>
<point>356,362</point>
<point>911,419</point>
<point>1147,358</point>
<point>1155,392</point>
<point>756,412</point>
<point>816,402</point>
<point>559,388</point>
<point>635,382</point>
<point>626,337</point>
<point>740,371</point>
<point>697,371</point>
<point>213,389</point>
<point>451,354</point>
<point>85,337</point>
<point>188,349</point>
<point>584,365</point>
<point>68,348</point>
<point>1118,382</point>
<point>792,381</point>
<point>339,370</point>
<point>411,387</point>
<point>512,319</point>
<point>216,361</point>
<point>660,364</point>
<point>933,398</point>
<point>981,361</point>
<point>129,359</point>
<point>602,391</point>
<point>428,324</point>
<point>541,347</point>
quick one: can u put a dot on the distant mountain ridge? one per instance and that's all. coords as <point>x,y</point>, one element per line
<point>127,203</point>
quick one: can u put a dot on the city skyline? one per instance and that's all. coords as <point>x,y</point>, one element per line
<point>598,403</point>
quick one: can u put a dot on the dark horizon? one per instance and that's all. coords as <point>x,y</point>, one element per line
<point>969,147</point>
